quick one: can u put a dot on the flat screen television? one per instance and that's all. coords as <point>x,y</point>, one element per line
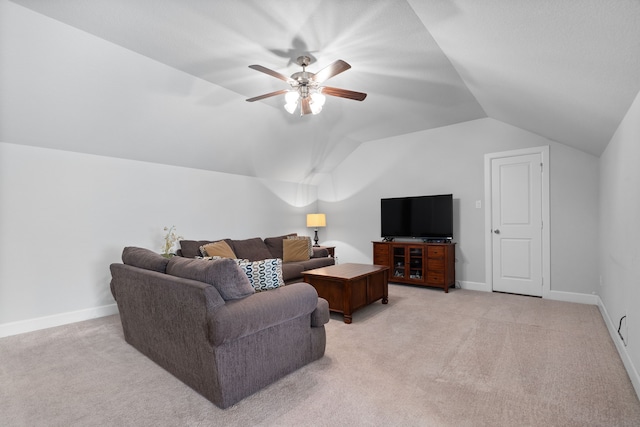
<point>424,217</point>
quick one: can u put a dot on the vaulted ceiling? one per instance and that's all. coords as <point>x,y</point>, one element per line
<point>566,70</point>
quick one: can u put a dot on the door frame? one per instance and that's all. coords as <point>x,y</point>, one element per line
<point>546,224</point>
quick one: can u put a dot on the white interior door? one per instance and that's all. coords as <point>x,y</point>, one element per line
<point>516,224</point>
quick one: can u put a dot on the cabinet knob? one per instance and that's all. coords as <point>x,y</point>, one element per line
<point>496,231</point>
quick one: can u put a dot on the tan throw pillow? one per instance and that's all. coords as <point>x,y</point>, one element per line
<point>306,239</point>
<point>221,249</point>
<point>295,250</point>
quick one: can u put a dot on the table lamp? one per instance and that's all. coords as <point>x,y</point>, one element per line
<point>315,221</point>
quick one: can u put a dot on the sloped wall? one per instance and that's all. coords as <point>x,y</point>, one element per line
<point>451,160</point>
<point>64,217</point>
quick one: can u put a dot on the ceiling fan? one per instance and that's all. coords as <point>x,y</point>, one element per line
<point>305,87</point>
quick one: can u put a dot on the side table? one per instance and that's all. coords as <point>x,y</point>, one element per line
<point>330,249</point>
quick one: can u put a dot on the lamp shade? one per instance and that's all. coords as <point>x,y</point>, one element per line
<point>316,220</point>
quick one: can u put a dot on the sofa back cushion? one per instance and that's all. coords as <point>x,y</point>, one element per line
<point>252,249</point>
<point>224,274</point>
<point>274,244</point>
<point>144,258</point>
<point>191,248</point>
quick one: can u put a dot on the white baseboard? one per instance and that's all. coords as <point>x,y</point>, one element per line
<point>622,350</point>
<point>553,295</point>
<point>572,297</point>
<point>30,325</point>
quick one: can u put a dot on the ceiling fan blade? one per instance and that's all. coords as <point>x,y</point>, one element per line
<point>331,70</point>
<point>343,93</point>
<point>268,95</point>
<point>266,70</point>
<point>305,107</point>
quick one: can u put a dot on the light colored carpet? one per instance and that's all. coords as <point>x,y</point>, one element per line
<point>426,359</point>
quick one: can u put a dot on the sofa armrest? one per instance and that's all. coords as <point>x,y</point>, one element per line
<point>320,315</point>
<point>320,253</point>
<point>165,317</point>
<point>260,311</point>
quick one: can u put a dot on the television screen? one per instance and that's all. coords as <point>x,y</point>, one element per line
<point>427,217</point>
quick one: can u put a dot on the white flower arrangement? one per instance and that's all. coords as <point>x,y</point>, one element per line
<point>170,240</point>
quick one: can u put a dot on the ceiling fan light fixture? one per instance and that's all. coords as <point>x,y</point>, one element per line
<point>318,99</point>
<point>292,97</point>
<point>316,103</point>
<point>291,101</point>
<point>315,108</point>
<point>305,87</point>
<point>291,107</point>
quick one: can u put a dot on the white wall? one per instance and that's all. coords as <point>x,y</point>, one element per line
<point>64,217</point>
<point>451,160</point>
<point>620,236</point>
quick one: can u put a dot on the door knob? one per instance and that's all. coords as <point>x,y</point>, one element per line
<point>496,231</point>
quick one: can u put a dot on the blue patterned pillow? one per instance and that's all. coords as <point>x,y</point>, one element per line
<point>263,275</point>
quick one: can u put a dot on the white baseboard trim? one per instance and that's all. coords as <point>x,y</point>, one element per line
<point>30,325</point>
<point>622,350</point>
<point>553,295</point>
<point>572,297</point>
<point>473,286</point>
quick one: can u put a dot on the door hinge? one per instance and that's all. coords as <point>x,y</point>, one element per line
<point>541,167</point>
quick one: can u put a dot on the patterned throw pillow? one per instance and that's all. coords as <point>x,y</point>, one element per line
<point>263,275</point>
<point>308,239</point>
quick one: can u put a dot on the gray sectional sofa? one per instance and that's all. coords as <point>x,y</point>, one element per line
<point>256,249</point>
<point>202,321</point>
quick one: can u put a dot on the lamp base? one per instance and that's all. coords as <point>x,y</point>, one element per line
<point>315,239</point>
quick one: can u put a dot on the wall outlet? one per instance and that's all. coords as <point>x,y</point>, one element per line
<point>478,204</point>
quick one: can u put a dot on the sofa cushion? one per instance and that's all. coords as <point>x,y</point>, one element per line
<point>219,249</point>
<point>292,270</point>
<point>306,239</point>
<point>191,248</point>
<point>295,250</point>
<point>274,244</point>
<point>261,311</point>
<point>223,274</point>
<point>264,274</point>
<point>251,249</point>
<point>316,263</point>
<point>144,258</point>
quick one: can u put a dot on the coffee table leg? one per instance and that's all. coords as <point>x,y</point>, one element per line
<point>385,289</point>
<point>346,301</point>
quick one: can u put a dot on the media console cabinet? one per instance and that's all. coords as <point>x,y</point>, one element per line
<point>417,263</point>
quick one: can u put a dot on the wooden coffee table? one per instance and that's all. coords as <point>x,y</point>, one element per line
<point>348,287</point>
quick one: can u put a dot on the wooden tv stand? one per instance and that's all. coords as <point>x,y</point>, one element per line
<point>418,263</point>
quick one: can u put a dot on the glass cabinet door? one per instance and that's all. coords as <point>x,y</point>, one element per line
<point>399,261</point>
<point>416,266</point>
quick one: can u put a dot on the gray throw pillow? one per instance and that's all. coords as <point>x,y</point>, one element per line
<point>274,244</point>
<point>144,258</point>
<point>223,274</point>
<point>252,249</point>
